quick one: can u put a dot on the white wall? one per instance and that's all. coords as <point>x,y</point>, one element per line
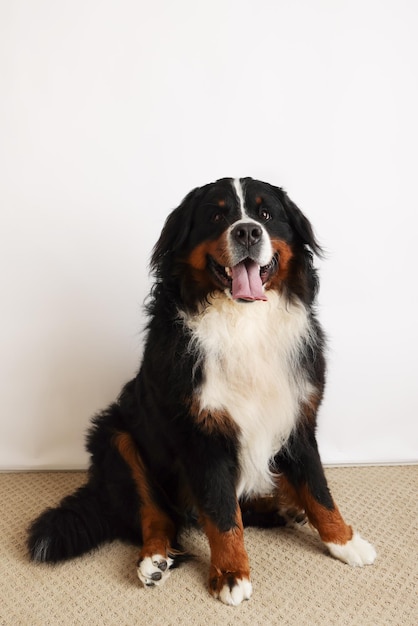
<point>110,111</point>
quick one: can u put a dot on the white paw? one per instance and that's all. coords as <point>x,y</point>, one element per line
<point>154,570</point>
<point>356,552</point>
<point>234,594</point>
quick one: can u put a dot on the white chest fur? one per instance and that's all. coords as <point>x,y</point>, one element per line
<point>249,357</point>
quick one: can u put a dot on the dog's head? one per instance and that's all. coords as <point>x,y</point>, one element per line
<point>242,237</point>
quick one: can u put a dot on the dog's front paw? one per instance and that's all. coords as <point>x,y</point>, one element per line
<point>356,552</point>
<point>230,587</point>
<point>154,570</point>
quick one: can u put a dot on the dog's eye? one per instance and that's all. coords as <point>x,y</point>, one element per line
<point>217,217</point>
<point>265,215</point>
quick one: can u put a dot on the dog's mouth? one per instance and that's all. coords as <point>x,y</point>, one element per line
<point>246,279</point>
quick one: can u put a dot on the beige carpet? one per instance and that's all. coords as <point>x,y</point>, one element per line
<point>294,580</point>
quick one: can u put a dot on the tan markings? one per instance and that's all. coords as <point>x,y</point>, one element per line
<point>264,504</point>
<point>329,523</point>
<point>286,493</point>
<point>213,420</point>
<point>259,200</point>
<point>128,450</point>
<point>310,408</point>
<point>285,254</point>
<point>221,203</point>
<point>229,559</point>
<point>158,530</point>
<point>274,505</point>
<point>217,249</point>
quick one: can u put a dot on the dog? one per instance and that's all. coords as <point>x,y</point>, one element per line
<point>218,427</point>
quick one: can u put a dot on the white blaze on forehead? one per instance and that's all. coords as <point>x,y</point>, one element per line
<point>236,183</point>
<point>266,250</point>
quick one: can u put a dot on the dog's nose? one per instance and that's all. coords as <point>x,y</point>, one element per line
<point>247,234</point>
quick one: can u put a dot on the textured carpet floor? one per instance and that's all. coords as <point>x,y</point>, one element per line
<point>294,580</point>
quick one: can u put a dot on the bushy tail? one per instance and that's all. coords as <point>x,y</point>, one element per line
<point>76,526</point>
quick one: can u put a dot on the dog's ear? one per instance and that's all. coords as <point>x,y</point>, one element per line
<point>175,231</point>
<point>301,224</point>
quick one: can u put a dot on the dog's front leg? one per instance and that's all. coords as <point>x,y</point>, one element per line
<point>302,481</point>
<point>212,467</point>
<point>229,575</point>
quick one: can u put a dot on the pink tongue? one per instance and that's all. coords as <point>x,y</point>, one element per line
<point>246,281</point>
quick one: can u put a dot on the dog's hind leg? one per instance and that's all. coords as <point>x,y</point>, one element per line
<point>157,555</point>
<point>271,511</point>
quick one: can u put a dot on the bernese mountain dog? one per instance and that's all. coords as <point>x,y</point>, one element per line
<point>218,426</point>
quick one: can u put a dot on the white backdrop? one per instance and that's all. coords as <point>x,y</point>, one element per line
<point>112,110</point>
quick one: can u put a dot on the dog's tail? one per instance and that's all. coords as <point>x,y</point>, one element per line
<point>77,525</point>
